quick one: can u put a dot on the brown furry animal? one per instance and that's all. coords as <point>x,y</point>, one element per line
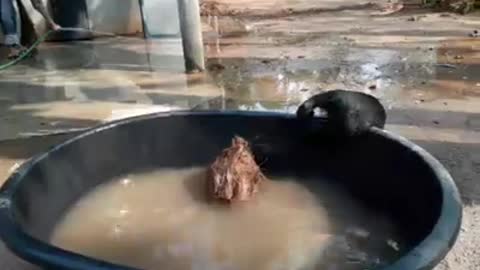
<point>234,175</point>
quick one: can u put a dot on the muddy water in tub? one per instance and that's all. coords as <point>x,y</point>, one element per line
<point>160,220</point>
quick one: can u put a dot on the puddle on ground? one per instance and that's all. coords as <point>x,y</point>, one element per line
<point>257,62</point>
<point>254,63</point>
<point>387,74</point>
<point>285,59</point>
<point>278,64</point>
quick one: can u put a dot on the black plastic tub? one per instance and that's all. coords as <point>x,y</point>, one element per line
<point>382,170</point>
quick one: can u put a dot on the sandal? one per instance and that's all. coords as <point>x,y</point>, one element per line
<point>16,51</point>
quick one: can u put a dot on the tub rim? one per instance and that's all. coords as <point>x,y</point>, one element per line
<point>428,253</point>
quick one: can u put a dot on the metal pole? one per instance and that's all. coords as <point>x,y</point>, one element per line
<point>191,31</point>
<point>146,34</point>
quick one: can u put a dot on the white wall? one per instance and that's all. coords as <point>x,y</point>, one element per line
<point>162,17</point>
<point>124,16</point>
<point>115,16</point>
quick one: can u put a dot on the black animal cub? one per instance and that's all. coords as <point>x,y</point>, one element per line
<point>349,113</point>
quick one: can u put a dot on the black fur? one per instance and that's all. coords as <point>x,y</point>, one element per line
<point>349,113</point>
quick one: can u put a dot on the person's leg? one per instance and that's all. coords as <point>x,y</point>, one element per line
<point>9,22</point>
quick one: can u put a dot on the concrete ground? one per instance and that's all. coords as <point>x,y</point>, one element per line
<point>424,66</point>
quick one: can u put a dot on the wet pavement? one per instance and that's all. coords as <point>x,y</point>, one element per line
<point>423,66</point>
<point>77,85</point>
<point>273,65</point>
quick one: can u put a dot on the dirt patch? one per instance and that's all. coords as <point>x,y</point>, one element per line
<point>214,8</point>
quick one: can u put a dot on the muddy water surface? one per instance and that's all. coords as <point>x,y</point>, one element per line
<point>161,220</point>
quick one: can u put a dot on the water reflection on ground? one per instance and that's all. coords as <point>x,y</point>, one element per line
<point>260,63</point>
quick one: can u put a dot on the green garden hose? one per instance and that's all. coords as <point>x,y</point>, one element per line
<point>26,53</point>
